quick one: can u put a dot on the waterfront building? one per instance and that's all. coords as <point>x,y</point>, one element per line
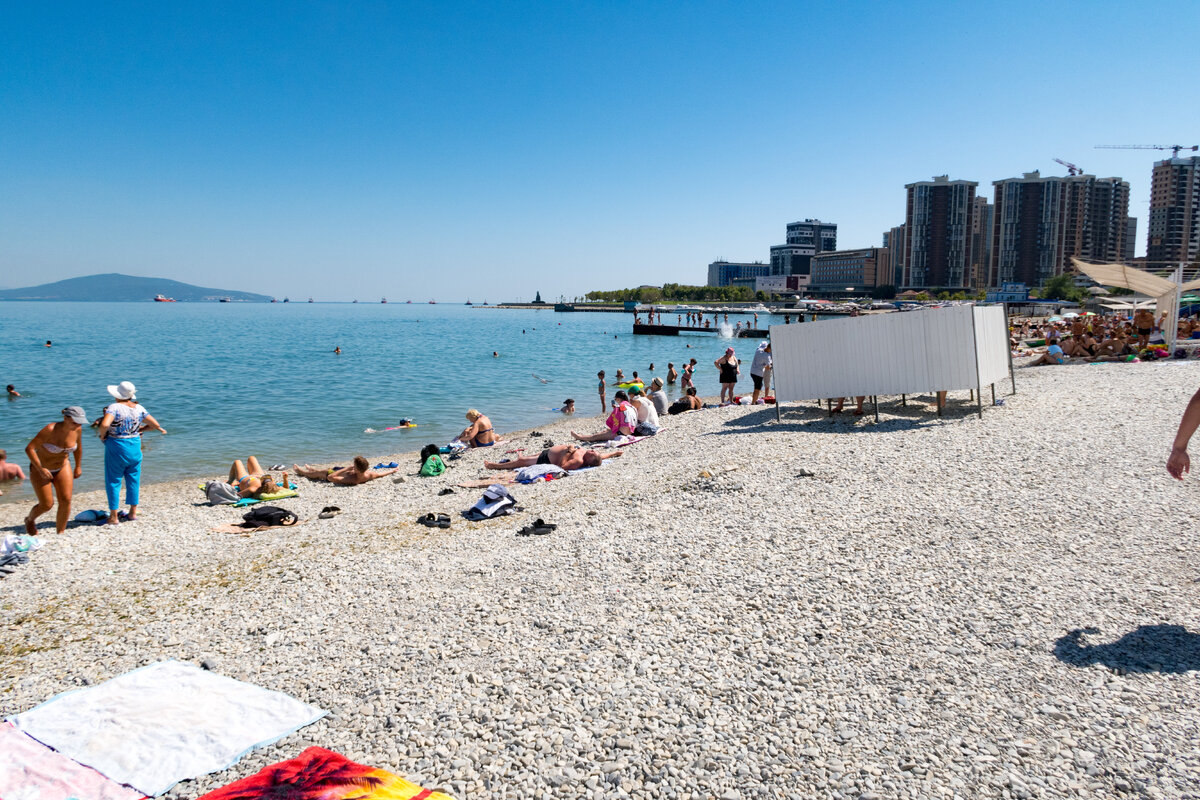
<point>981,243</point>
<point>1173,234</point>
<point>938,222</point>
<point>804,240</point>
<point>729,273</point>
<point>851,271</point>
<point>1041,222</point>
<point>896,241</point>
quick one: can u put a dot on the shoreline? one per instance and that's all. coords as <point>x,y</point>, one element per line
<point>737,607</point>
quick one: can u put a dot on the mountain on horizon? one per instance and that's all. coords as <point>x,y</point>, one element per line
<point>114,287</point>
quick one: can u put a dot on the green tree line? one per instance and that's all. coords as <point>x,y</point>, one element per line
<point>674,292</point>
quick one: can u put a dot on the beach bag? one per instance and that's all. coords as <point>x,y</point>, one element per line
<point>432,467</point>
<point>220,493</point>
<point>268,517</point>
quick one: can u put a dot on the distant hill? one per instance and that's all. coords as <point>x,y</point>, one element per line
<point>115,287</point>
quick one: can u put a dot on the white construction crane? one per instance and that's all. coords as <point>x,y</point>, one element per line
<point>1174,148</point>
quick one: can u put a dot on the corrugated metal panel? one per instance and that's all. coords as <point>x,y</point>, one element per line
<point>886,354</point>
<point>991,344</point>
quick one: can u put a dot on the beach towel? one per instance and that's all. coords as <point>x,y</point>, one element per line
<point>531,474</point>
<point>483,483</point>
<point>622,441</point>
<point>280,495</point>
<point>320,773</point>
<point>244,531</point>
<point>163,723</point>
<point>31,771</point>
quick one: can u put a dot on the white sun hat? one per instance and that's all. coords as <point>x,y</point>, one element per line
<point>125,390</point>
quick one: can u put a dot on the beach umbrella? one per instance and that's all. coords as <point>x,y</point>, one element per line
<point>1070,315</point>
<point>1055,318</point>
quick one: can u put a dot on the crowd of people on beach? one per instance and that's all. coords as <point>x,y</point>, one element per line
<point>1092,338</point>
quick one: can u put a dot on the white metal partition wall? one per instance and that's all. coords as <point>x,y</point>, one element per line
<point>962,347</point>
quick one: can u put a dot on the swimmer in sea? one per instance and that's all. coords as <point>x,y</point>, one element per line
<point>337,350</point>
<point>12,391</point>
<point>47,343</point>
<point>568,406</point>
<point>495,354</point>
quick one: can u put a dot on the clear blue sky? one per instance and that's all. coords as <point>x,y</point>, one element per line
<point>347,150</point>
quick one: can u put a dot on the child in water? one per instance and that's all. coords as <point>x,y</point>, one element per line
<point>603,405</point>
<point>569,405</point>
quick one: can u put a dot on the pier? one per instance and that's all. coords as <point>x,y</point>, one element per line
<point>643,329</point>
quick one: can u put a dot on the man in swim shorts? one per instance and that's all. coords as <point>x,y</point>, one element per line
<point>567,456</point>
<point>360,472</point>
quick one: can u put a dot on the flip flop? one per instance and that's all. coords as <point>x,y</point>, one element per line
<point>538,528</point>
<point>278,467</point>
<point>428,520</point>
<point>443,521</point>
<point>328,512</point>
<point>447,490</point>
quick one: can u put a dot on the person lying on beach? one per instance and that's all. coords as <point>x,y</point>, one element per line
<point>621,422</point>
<point>251,480</point>
<point>479,433</point>
<point>360,472</point>
<point>567,456</point>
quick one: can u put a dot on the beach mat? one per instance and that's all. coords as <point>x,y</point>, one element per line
<point>31,771</point>
<point>163,723</point>
<point>483,483</point>
<point>321,773</point>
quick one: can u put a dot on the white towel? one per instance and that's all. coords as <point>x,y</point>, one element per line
<point>164,723</point>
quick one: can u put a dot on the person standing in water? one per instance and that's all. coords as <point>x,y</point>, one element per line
<point>603,403</point>
<point>49,469</point>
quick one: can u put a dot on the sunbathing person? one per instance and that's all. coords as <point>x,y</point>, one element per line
<point>360,472</point>
<point>567,456</point>
<point>251,480</point>
<point>621,422</point>
<point>479,433</point>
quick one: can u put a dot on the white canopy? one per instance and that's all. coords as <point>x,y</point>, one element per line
<point>1165,291</point>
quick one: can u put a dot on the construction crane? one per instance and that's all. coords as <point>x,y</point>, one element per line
<point>1174,148</point>
<point>1071,168</point>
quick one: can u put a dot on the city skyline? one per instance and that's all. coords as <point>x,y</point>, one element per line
<point>478,151</point>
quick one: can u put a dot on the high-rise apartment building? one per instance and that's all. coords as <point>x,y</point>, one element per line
<point>896,242</point>
<point>1174,229</point>
<point>1130,239</point>
<point>804,240</point>
<point>1095,218</point>
<point>938,232</point>
<point>1041,222</point>
<point>981,244</point>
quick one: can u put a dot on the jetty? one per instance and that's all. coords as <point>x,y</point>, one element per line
<point>643,329</point>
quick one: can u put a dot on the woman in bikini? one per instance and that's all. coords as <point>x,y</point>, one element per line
<point>480,432</point>
<point>254,482</point>
<point>49,468</point>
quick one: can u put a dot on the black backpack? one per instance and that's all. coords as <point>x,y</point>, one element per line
<point>268,516</point>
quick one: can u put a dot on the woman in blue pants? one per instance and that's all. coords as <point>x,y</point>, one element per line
<point>121,431</point>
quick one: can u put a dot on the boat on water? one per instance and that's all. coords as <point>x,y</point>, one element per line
<point>286,300</point>
<point>383,299</point>
<point>224,299</point>
<point>158,298</point>
<point>310,299</point>
<point>356,301</point>
<point>468,303</point>
<point>408,302</point>
<point>433,302</point>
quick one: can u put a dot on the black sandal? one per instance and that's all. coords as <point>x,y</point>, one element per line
<point>538,528</point>
<point>428,520</point>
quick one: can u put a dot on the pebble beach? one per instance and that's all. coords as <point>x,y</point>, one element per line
<point>739,607</point>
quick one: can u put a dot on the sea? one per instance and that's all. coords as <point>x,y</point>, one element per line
<point>231,380</point>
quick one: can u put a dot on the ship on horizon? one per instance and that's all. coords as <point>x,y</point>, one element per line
<point>158,298</point>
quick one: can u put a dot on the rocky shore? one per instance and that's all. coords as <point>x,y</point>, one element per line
<point>737,608</point>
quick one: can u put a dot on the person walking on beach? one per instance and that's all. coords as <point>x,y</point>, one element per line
<point>120,430</point>
<point>49,469</point>
<point>603,404</point>
<point>1178,461</point>
<point>728,364</point>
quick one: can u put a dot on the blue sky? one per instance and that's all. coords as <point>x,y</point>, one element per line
<point>489,151</point>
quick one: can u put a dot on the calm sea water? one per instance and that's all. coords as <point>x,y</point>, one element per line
<point>229,380</point>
